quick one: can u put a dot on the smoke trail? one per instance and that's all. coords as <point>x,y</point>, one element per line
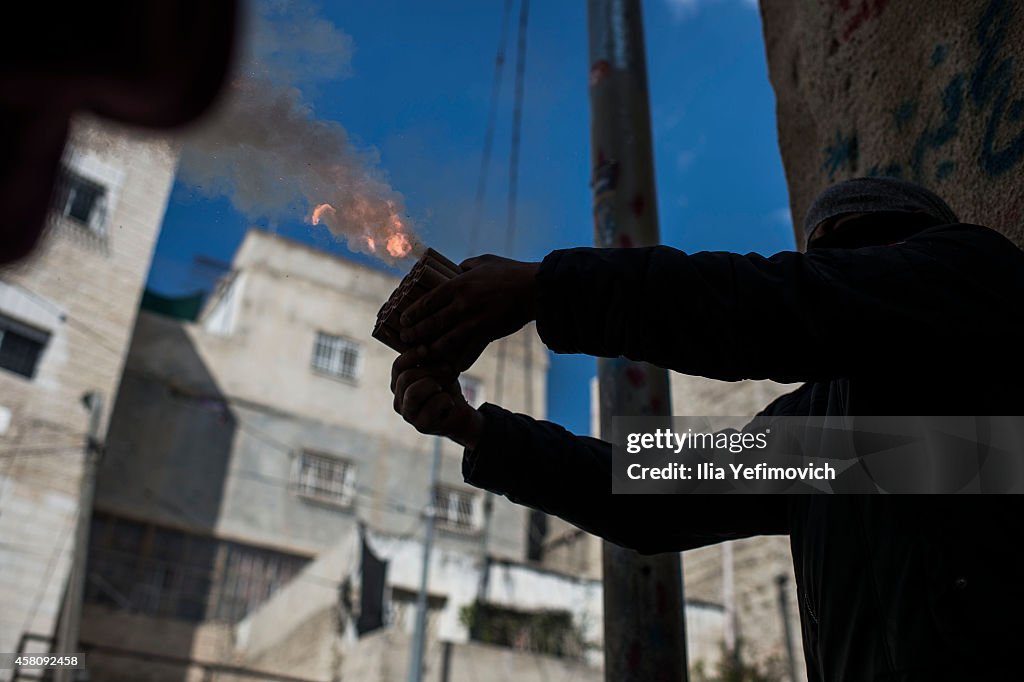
<point>266,150</point>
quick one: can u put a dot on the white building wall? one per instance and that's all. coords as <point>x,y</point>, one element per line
<point>83,289</point>
<point>268,634</point>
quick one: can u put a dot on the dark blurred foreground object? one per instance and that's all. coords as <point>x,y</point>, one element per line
<point>146,63</point>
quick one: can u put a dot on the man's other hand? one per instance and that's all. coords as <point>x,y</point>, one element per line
<point>429,397</point>
<point>493,298</point>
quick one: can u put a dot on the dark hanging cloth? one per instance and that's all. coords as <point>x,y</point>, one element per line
<point>374,571</point>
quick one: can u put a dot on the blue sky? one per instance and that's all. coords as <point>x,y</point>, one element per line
<point>415,87</point>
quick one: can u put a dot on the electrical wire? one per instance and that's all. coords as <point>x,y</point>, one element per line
<point>513,178</point>
<point>492,116</point>
<point>39,450</point>
<point>58,548</point>
<point>289,450</point>
<point>71,321</point>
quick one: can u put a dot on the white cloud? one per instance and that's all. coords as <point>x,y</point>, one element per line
<point>685,159</point>
<point>684,9</point>
<point>781,215</point>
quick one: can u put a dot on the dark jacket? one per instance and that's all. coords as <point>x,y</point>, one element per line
<point>894,588</point>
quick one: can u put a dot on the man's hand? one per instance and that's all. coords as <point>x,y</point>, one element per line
<point>492,299</point>
<point>429,397</point>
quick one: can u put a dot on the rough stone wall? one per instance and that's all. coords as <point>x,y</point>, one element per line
<point>931,91</point>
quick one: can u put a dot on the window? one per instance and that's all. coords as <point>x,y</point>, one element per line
<point>456,509</point>
<point>550,632</point>
<point>82,200</point>
<point>249,577</point>
<point>164,572</point>
<point>472,390</point>
<point>401,612</point>
<point>336,356</point>
<point>537,533</point>
<point>324,477</point>
<point>148,569</point>
<point>20,347</point>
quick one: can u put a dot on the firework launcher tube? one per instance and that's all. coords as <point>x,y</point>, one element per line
<point>430,271</point>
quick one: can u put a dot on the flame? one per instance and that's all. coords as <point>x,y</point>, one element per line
<point>319,211</point>
<point>399,245</point>
<point>397,240</point>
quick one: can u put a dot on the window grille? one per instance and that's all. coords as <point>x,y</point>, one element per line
<point>336,356</point>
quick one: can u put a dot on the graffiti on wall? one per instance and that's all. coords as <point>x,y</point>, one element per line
<point>985,91</point>
<point>855,14</point>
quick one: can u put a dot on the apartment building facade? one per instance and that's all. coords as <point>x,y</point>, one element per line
<point>244,444</point>
<point>66,316</point>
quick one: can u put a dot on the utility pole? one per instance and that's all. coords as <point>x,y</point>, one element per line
<point>644,622</point>
<point>781,581</point>
<point>71,613</point>
<point>420,635</point>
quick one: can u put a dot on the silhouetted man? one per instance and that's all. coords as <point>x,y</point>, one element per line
<point>896,308</point>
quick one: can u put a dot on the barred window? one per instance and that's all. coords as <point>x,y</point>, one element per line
<point>82,200</point>
<point>249,577</point>
<point>157,571</point>
<point>336,356</point>
<point>324,477</point>
<point>21,347</point>
<point>456,509</point>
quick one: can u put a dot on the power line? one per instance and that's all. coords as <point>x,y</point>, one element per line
<point>58,548</point>
<point>517,125</point>
<point>284,448</point>
<point>289,450</point>
<point>181,514</point>
<point>37,450</point>
<point>492,115</point>
<point>513,177</point>
<point>70,320</point>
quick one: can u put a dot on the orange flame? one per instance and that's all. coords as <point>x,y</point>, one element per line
<point>398,242</point>
<point>399,245</point>
<point>319,211</point>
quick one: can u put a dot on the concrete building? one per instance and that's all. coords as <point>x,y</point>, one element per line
<point>248,454</point>
<point>531,624</point>
<point>245,444</point>
<point>66,315</point>
<point>533,621</point>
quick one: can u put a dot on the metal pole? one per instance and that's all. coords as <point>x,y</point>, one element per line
<point>644,622</point>
<point>71,615</point>
<point>787,628</point>
<point>420,636</point>
<point>729,600</point>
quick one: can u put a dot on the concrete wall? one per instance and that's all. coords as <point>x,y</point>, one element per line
<point>454,575</point>
<point>304,617</point>
<point>928,91</point>
<point>84,290</point>
<point>138,635</point>
<point>382,657</point>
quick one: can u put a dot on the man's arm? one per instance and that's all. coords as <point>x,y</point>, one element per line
<point>793,316</point>
<point>541,465</point>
